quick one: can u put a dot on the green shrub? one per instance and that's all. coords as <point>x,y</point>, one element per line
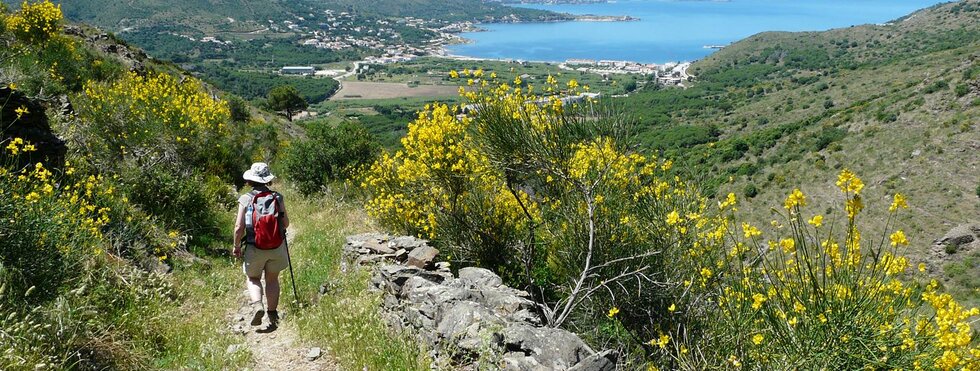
<point>961,90</point>
<point>936,86</point>
<point>328,154</point>
<point>750,190</point>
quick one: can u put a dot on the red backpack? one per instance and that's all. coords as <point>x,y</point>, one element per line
<point>262,221</point>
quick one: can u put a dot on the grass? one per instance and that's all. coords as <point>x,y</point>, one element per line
<point>347,317</point>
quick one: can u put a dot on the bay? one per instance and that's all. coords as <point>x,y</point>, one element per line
<point>670,30</point>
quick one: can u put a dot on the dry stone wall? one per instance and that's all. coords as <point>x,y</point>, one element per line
<point>469,320</point>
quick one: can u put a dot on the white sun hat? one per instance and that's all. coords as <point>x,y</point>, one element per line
<point>259,173</point>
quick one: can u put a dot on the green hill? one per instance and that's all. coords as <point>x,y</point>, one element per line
<point>897,103</point>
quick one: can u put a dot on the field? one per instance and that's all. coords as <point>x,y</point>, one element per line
<point>383,90</point>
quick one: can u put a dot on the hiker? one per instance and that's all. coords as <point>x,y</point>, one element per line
<point>260,230</point>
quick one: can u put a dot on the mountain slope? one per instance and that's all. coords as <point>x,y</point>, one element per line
<point>898,104</point>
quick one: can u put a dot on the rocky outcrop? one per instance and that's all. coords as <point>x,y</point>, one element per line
<point>31,126</point>
<point>469,319</point>
<point>958,242</point>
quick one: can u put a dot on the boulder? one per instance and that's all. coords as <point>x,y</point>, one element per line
<point>554,348</point>
<point>478,277</point>
<point>465,324</point>
<point>422,257</point>
<point>602,361</point>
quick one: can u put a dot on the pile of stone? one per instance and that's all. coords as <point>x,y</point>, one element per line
<point>470,320</point>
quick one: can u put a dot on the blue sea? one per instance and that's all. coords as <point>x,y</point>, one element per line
<point>670,30</point>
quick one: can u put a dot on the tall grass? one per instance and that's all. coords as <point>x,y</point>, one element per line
<point>347,317</point>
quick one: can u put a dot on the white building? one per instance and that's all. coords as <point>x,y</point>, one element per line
<point>296,70</point>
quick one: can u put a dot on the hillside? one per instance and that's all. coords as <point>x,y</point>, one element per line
<point>250,15</point>
<point>897,103</point>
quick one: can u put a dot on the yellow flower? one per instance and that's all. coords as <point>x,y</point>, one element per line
<point>12,86</point>
<point>795,199</point>
<point>661,341</point>
<point>788,245</point>
<point>612,312</point>
<point>672,308</point>
<point>750,231</point>
<point>922,267</point>
<point>729,201</point>
<point>21,111</point>
<point>848,182</point>
<point>854,206</point>
<point>673,218</point>
<point>757,300</point>
<point>898,238</point>
<point>816,220</point>
<point>453,74</point>
<point>572,84</point>
<point>898,202</point>
<point>757,339</point>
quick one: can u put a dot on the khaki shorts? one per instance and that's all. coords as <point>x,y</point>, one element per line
<point>258,260</point>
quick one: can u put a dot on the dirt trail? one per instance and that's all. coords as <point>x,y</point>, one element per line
<point>277,347</point>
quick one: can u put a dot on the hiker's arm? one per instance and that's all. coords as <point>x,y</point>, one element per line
<point>239,231</point>
<point>285,215</point>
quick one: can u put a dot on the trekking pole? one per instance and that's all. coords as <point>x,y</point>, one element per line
<point>289,261</point>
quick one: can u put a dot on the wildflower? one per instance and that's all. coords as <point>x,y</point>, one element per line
<point>12,86</point>
<point>788,245</point>
<point>899,202</point>
<point>673,218</point>
<point>757,339</point>
<point>898,238</point>
<point>572,84</point>
<point>661,341</point>
<point>757,300</point>
<point>672,308</point>
<point>21,111</point>
<point>612,312</point>
<point>453,74</point>
<point>734,361</point>
<point>795,199</point>
<point>854,206</point>
<point>729,201</point>
<point>922,267</point>
<point>750,231</point>
<point>816,220</point>
<point>849,183</point>
<point>706,273</point>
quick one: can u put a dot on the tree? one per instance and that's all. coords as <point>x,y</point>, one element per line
<point>239,109</point>
<point>285,98</point>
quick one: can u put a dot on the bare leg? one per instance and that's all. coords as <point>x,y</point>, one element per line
<point>254,285</point>
<point>272,290</point>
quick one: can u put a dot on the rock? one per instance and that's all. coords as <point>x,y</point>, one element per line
<point>406,242</point>
<point>479,277</point>
<point>464,324</point>
<point>961,235</point>
<point>233,348</point>
<point>520,362</point>
<point>32,127</point>
<point>371,259</point>
<point>378,247</point>
<point>421,257</point>
<point>465,320</point>
<point>602,361</point>
<point>554,348</point>
<point>313,354</point>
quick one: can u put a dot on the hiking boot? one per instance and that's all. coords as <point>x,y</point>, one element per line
<point>274,317</point>
<point>259,311</point>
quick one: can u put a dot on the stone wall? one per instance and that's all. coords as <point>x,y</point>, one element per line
<point>469,320</point>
